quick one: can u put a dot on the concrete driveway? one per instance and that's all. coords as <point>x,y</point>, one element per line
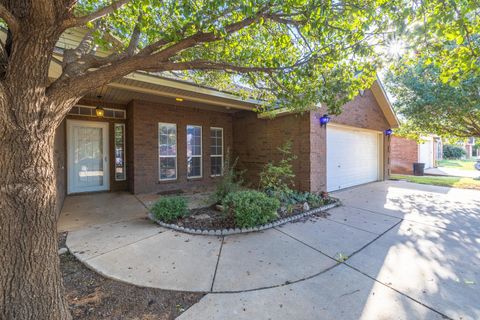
<point>394,250</point>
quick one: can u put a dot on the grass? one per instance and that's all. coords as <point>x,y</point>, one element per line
<point>452,182</point>
<point>457,164</point>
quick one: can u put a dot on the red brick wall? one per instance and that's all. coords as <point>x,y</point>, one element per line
<point>256,142</point>
<point>403,154</point>
<point>143,119</point>
<point>362,112</point>
<point>318,154</point>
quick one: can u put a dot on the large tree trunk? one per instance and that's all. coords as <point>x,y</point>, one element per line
<point>30,278</point>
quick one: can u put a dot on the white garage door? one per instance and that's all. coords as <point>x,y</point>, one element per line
<point>352,157</point>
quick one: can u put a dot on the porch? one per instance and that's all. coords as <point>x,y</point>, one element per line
<point>168,139</point>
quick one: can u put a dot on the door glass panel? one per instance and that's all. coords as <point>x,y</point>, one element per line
<point>88,157</point>
<point>120,172</point>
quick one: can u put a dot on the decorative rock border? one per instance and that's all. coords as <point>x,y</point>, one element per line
<point>224,232</point>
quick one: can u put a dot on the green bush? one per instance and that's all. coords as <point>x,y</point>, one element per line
<point>169,209</point>
<point>251,208</point>
<point>231,181</point>
<point>315,200</point>
<point>453,152</point>
<point>276,178</point>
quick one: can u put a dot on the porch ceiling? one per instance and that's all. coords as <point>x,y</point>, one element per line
<point>125,90</point>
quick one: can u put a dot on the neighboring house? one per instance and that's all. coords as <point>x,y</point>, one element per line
<point>468,146</point>
<point>162,135</point>
<point>405,152</point>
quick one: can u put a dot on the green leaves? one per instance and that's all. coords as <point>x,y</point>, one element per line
<point>428,105</point>
<point>447,34</point>
<point>302,53</point>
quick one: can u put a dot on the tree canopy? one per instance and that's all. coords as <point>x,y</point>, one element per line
<point>430,106</point>
<point>445,33</point>
<point>295,53</point>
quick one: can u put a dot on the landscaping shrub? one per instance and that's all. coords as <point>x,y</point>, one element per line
<point>231,181</point>
<point>315,200</point>
<point>251,208</point>
<point>168,209</point>
<point>453,152</point>
<point>276,178</point>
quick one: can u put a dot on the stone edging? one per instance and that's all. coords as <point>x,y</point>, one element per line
<point>224,232</point>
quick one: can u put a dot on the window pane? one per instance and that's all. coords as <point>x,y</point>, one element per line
<point>120,172</point>
<point>167,168</point>
<point>194,166</point>
<point>216,151</point>
<point>194,141</point>
<point>167,149</point>
<point>216,143</point>
<point>216,166</point>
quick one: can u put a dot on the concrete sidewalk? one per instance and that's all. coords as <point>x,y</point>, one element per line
<point>442,171</point>
<point>411,252</point>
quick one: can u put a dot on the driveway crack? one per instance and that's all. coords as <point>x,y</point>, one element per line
<point>218,261</point>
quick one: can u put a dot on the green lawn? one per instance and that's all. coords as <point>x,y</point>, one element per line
<point>453,182</point>
<point>457,164</point>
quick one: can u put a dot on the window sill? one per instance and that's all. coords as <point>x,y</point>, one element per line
<point>167,181</point>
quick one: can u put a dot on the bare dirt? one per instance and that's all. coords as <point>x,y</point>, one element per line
<point>92,296</point>
<point>212,219</point>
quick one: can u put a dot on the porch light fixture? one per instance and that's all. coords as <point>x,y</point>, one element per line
<point>324,120</point>
<point>388,132</point>
<point>99,112</point>
<point>179,99</point>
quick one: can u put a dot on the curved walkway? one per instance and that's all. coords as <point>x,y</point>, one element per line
<point>410,245</point>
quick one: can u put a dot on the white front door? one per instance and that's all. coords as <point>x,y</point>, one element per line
<point>87,159</point>
<point>353,157</point>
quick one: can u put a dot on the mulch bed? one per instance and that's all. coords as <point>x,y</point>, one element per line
<point>212,219</point>
<point>92,296</point>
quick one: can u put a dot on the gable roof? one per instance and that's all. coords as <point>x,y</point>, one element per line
<point>384,103</point>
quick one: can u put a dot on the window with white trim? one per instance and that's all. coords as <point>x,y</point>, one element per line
<point>194,151</point>
<point>216,152</point>
<point>167,151</point>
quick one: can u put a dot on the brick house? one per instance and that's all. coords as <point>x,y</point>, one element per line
<point>405,152</point>
<point>159,134</point>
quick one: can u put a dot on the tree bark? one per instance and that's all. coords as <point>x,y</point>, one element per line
<point>30,278</point>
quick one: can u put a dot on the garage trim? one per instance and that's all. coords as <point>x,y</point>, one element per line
<point>380,151</point>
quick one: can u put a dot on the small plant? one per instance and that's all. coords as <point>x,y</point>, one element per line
<point>277,178</point>
<point>315,200</point>
<point>168,209</point>
<point>341,257</point>
<point>290,208</point>
<point>231,180</point>
<point>251,208</point>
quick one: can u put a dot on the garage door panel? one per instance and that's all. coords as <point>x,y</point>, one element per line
<point>352,157</point>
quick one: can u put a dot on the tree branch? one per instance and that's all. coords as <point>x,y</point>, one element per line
<point>10,19</point>
<point>79,21</point>
<point>135,38</point>
<point>119,65</point>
